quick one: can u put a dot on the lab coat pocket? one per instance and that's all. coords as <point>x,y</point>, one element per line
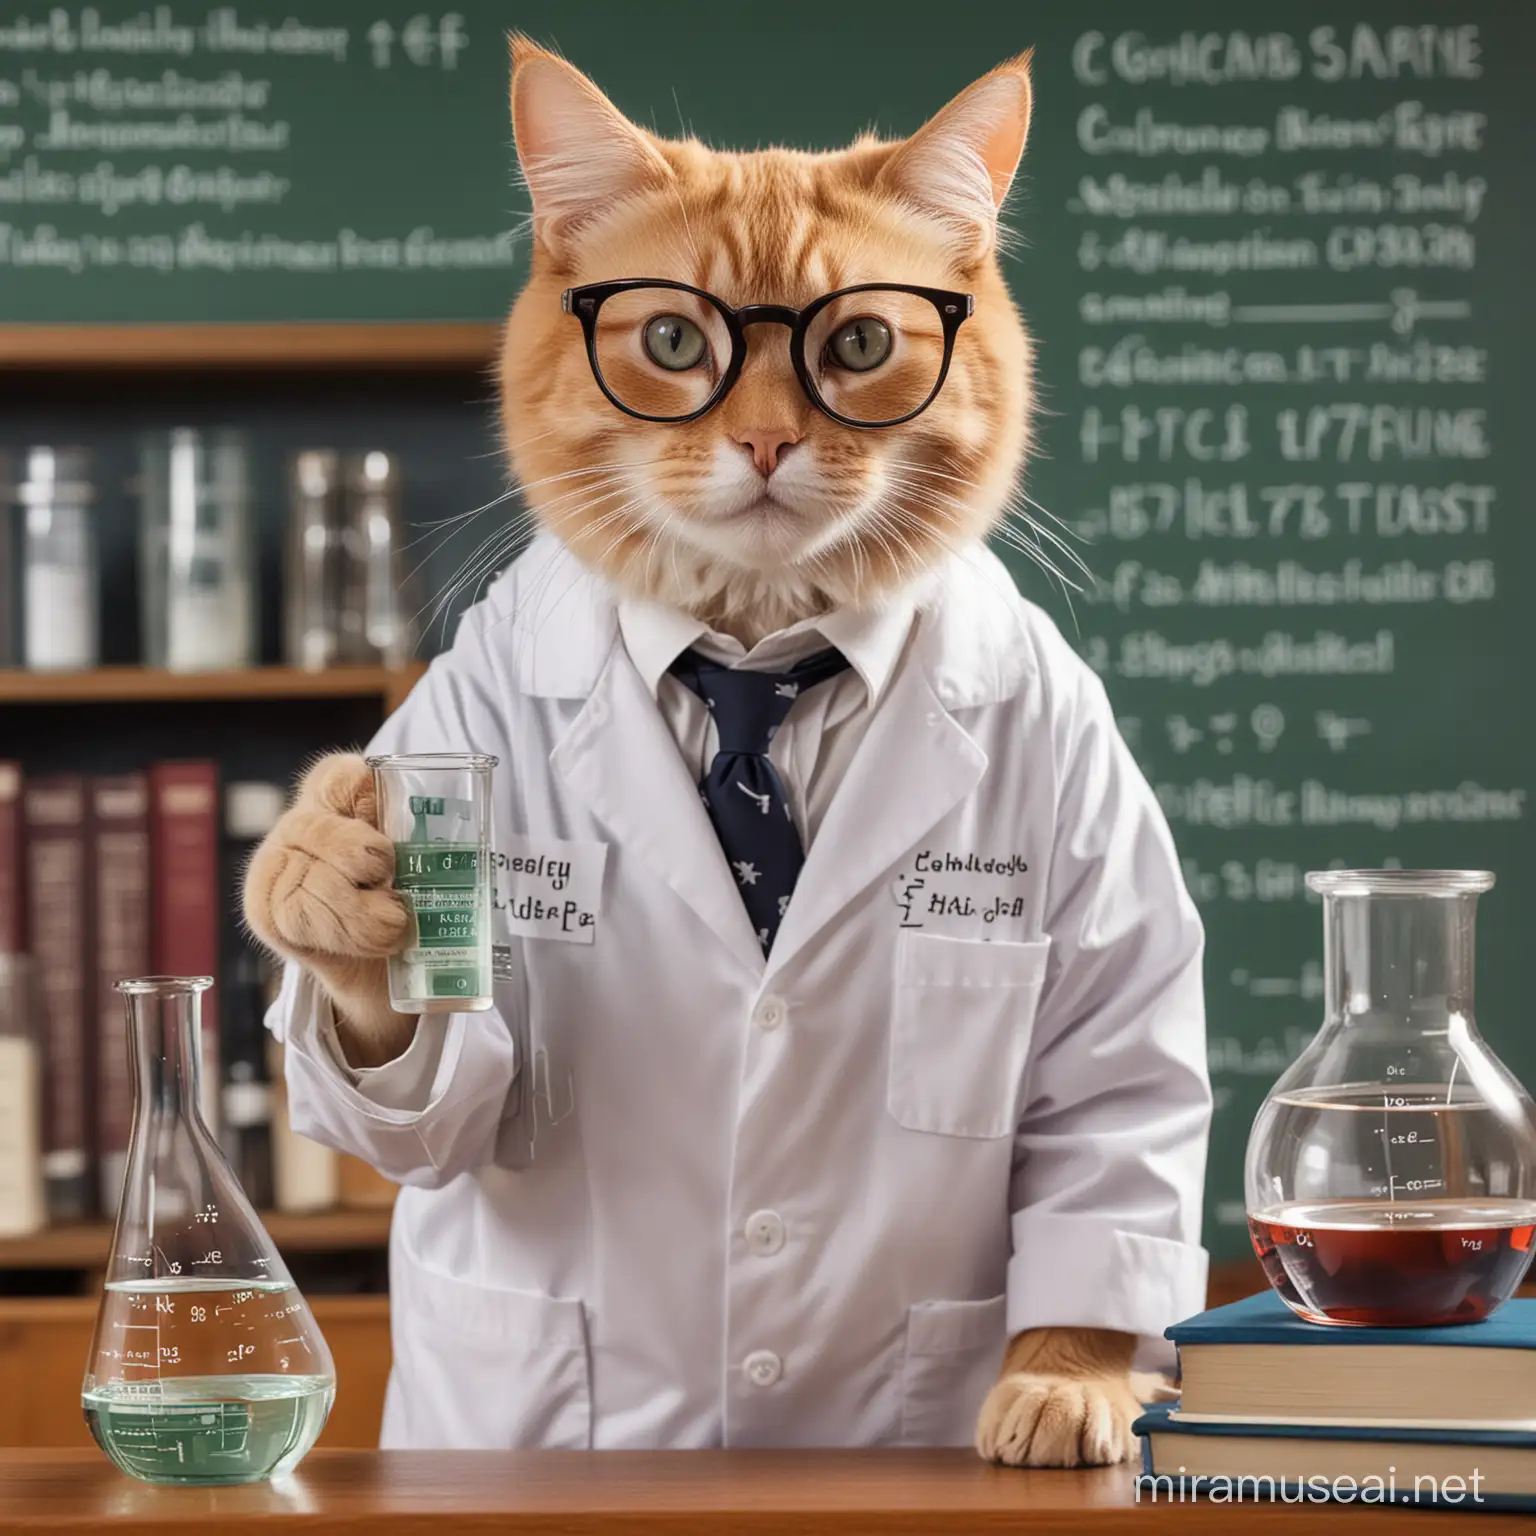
<point>481,1367</point>
<point>953,1355</point>
<point>960,1031</point>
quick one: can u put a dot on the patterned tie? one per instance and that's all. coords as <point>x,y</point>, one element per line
<point>742,790</point>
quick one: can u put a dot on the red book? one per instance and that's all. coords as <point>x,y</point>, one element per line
<point>184,833</point>
<point>120,851</point>
<point>13,927</point>
<point>59,920</point>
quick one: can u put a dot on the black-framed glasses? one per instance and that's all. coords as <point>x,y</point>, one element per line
<point>873,355</point>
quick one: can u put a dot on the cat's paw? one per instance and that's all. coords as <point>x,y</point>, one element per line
<point>1036,1420</point>
<point>319,886</point>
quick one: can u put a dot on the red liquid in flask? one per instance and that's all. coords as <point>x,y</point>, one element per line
<point>1406,1264</point>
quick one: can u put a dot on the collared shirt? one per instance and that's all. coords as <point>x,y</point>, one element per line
<point>811,750</point>
<point>818,739</point>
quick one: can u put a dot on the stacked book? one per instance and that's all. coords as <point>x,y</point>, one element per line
<point>102,878</point>
<point>1272,1407</point>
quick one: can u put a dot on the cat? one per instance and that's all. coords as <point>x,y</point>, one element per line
<point>680,513</point>
<point>760,513</point>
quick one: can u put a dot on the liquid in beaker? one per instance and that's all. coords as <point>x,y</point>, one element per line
<point>436,809</point>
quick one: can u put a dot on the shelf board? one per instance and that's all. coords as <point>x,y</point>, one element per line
<point>87,1245</point>
<point>144,685</point>
<point>402,344</point>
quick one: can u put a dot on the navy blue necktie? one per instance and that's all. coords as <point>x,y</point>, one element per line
<point>742,790</point>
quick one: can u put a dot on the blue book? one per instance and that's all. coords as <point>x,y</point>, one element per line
<point>1256,1363</point>
<point>1466,1470</point>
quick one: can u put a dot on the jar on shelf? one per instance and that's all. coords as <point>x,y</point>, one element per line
<point>10,581</point>
<point>198,574</point>
<point>58,560</point>
<point>375,508</point>
<point>347,595</point>
<point>323,569</point>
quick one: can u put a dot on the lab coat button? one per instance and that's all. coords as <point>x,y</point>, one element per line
<point>771,1012</point>
<point>763,1367</point>
<point>765,1232</point>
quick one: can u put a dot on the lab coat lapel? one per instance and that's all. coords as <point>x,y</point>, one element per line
<point>913,767</point>
<point>619,757</point>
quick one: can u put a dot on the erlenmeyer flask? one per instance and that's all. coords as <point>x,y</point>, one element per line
<point>1391,1172</point>
<point>206,1365</point>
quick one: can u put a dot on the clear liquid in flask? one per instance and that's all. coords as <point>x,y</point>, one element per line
<point>209,1384</point>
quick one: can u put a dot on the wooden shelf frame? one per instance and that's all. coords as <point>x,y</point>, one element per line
<point>147,685</point>
<point>386,344</point>
<point>87,1245</point>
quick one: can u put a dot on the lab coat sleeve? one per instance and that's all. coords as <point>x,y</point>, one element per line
<point>423,1118</point>
<point>433,1112</point>
<point>1109,1160</point>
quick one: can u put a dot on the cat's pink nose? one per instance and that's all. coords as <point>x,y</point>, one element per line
<point>766,445</point>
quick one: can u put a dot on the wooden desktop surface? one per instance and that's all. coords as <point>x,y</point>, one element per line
<point>642,1493</point>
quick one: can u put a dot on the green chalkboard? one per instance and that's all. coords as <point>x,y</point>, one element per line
<point>1277,260</point>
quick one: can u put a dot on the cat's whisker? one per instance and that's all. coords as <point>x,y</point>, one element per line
<point>1041,531</point>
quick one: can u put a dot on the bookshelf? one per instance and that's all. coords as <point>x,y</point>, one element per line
<point>85,1246</point>
<point>146,685</point>
<point>406,346</point>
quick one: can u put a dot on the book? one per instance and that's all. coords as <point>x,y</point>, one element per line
<point>58,919</point>
<point>1255,1361</point>
<point>1465,1469</point>
<point>305,1175</point>
<point>184,839</point>
<point>13,927</point>
<point>121,861</point>
<point>23,1207</point>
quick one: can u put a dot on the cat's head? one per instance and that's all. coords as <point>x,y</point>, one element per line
<point>764,509</point>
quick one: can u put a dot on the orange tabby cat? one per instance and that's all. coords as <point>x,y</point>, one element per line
<point>679,513</point>
<point>758,514</point>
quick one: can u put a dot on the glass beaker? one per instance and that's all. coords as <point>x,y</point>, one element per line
<point>206,1365</point>
<point>436,809</point>
<point>1391,1173</point>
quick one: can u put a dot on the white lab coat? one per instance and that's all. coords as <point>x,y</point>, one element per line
<point>802,1201</point>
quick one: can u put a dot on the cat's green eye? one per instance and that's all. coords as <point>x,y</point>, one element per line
<point>860,344</point>
<point>675,343</point>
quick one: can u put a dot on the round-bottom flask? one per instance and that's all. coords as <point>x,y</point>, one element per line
<point>206,1365</point>
<point>1391,1173</point>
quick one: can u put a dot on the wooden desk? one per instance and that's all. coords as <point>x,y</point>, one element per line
<point>698,1493</point>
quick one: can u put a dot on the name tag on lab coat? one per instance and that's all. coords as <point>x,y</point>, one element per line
<point>548,889</point>
<point>963,895</point>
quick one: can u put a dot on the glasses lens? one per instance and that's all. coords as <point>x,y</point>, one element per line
<point>875,356</point>
<point>661,352</point>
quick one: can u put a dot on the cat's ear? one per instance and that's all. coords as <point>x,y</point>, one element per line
<point>578,152</point>
<point>959,165</point>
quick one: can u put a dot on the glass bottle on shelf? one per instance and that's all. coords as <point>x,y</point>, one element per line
<point>323,570</point>
<point>58,560</point>
<point>10,585</point>
<point>376,516</point>
<point>206,1365</point>
<point>197,571</point>
<point>1391,1172</point>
